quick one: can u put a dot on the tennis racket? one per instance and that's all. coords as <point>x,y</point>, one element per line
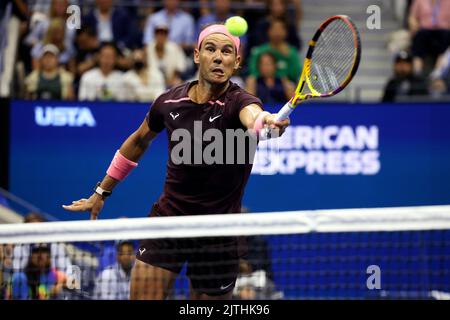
<point>331,62</point>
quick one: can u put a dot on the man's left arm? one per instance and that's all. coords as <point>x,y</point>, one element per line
<point>254,118</point>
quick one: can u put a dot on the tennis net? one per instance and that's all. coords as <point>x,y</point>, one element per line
<point>380,253</point>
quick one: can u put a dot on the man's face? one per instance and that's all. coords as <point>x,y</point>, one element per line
<point>403,69</point>
<point>161,36</point>
<point>223,6</point>
<point>126,256</point>
<point>267,66</point>
<point>104,5</point>
<point>41,260</point>
<point>57,35</point>
<point>171,5</point>
<point>107,59</point>
<point>217,58</point>
<point>277,32</point>
<point>60,7</point>
<point>49,62</point>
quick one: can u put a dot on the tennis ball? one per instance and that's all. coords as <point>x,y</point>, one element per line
<point>236,25</point>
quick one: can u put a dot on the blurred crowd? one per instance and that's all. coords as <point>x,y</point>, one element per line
<point>102,270</point>
<point>422,52</point>
<point>137,51</point>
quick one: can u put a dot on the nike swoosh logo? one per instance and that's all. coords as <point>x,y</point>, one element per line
<point>212,119</point>
<point>141,251</point>
<point>226,287</point>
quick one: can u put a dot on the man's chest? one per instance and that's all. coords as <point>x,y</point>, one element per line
<point>191,117</point>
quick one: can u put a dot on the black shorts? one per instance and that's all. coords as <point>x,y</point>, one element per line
<point>430,42</point>
<point>212,263</point>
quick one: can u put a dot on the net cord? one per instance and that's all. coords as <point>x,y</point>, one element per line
<point>271,223</point>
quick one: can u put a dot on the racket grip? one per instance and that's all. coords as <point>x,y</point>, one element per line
<point>284,113</point>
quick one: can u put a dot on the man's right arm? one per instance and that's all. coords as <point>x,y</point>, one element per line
<point>132,149</point>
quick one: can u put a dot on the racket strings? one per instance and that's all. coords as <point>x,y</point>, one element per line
<point>333,57</point>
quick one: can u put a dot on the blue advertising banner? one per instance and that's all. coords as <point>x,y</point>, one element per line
<point>332,156</point>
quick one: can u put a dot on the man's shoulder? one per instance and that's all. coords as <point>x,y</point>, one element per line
<point>109,272</point>
<point>293,51</point>
<point>130,74</point>
<point>237,94</point>
<point>175,93</point>
<point>236,90</point>
<point>261,49</point>
<point>91,74</point>
<point>184,15</point>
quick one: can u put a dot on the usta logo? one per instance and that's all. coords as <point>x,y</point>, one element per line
<point>64,116</point>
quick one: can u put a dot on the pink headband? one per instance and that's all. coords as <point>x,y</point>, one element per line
<point>218,28</point>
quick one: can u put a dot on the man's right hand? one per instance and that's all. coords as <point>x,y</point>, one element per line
<point>94,205</point>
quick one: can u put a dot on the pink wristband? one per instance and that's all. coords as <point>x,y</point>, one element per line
<point>120,167</point>
<point>259,122</point>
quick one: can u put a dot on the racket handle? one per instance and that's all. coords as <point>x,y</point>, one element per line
<point>284,113</point>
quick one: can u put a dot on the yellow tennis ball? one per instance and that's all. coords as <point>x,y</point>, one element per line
<point>236,25</point>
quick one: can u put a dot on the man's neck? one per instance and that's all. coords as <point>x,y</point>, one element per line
<point>49,74</point>
<point>171,12</point>
<point>105,13</point>
<point>106,72</point>
<point>276,45</point>
<point>204,91</point>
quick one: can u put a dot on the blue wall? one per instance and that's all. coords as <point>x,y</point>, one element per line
<point>60,150</point>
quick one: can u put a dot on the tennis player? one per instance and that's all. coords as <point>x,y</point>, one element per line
<point>212,264</point>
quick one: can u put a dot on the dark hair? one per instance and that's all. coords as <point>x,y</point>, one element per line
<point>34,216</point>
<point>206,25</point>
<point>110,44</point>
<point>269,4</point>
<point>122,243</point>
<point>32,271</point>
<point>274,59</point>
<point>87,30</point>
<point>40,247</point>
<point>403,56</point>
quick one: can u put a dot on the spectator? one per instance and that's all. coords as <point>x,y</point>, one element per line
<point>113,283</point>
<point>43,6</point>
<point>87,46</point>
<point>222,13</point>
<point>13,17</point>
<point>6,268</point>
<point>2,263</point>
<point>167,56</point>
<point>49,82</point>
<point>59,256</point>
<point>440,77</point>
<point>277,9</point>
<point>55,35</point>
<point>180,24</point>
<point>40,23</point>
<point>429,23</point>
<point>254,284</point>
<point>404,83</point>
<point>104,82</point>
<point>288,62</point>
<point>268,87</point>
<point>113,25</point>
<point>38,280</point>
<point>143,83</point>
